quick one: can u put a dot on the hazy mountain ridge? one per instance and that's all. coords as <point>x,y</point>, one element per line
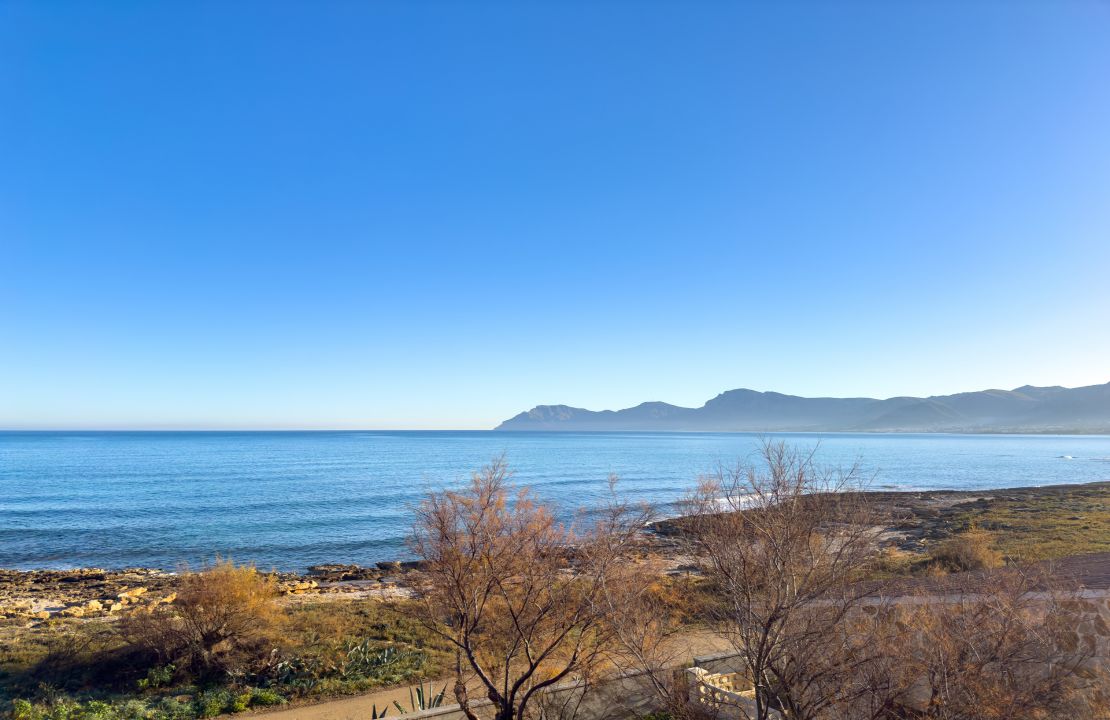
<point>1024,409</point>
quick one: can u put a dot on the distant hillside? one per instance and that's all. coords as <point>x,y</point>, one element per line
<point>1026,409</point>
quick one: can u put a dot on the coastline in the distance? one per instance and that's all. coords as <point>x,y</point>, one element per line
<point>1027,409</point>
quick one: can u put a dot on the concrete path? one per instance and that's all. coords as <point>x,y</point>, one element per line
<point>360,707</point>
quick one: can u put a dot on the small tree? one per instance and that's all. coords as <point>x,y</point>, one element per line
<point>518,594</point>
<point>783,544</point>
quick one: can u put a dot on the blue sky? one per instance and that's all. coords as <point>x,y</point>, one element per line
<point>418,214</point>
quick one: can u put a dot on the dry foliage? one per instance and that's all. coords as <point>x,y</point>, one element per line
<point>783,542</point>
<point>784,545</point>
<point>645,617</point>
<point>970,550</point>
<point>520,597</point>
<point>1002,645</point>
<point>224,617</point>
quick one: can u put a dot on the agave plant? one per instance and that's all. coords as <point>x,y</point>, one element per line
<point>363,658</point>
<point>422,700</point>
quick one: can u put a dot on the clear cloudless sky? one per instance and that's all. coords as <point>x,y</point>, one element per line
<point>437,214</point>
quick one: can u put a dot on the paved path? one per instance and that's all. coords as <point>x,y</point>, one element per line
<point>360,707</point>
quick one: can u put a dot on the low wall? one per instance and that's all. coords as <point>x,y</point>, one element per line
<point>1092,632</point>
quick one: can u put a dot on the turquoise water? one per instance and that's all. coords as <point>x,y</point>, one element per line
<point>290,500</point>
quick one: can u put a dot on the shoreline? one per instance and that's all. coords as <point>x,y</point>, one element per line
<point>342,571</point>
<point>914,520</point>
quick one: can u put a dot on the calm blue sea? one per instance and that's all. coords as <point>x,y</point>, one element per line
<point>294,499</point>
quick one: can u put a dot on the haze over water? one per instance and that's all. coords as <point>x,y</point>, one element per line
<point>293,499</point>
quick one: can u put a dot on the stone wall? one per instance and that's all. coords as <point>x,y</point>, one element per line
<point>1092,633</point>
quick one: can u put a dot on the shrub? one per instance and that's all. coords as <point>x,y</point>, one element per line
<point>23,710</point>
<point>158,676</point>
<point>132,710</point>
<point>172,709</point>
<point>224,618</point>
<point>264,697</point>
<point>212,703</point>
<point>240,702</point>
<point>91,710</point>
<point>97,710</point>
<point>972,549</point>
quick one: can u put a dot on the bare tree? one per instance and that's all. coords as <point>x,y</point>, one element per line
<point>519,595</point>
<point>783,544</point>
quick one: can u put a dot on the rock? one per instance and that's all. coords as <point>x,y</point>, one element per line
<point>169,598</point>
<point>338,572</point>
<point>16,607</point>
<point>115,607</point>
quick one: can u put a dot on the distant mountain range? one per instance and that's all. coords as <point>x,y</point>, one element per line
<point>1026,409</point>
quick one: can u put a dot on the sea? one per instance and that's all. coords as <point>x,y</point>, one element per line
<point>289,500</point>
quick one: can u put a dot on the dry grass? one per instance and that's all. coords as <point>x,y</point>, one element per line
<point>1010,526</point>
<point>973,549</point>
<point>1046,523</point>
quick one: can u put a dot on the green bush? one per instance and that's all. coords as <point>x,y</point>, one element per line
<point>264,697</point>
<point>158,676</point>
<point>240,702</point>
<point>97,710</point>
<point>211,703</point>
<point>132,710</point>
<point>172,709</point>
<point>24,710</point>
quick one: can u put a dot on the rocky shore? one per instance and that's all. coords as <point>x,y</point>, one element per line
<point>30,597</point>
<point>1055,520</point>
<point>1030,523</point>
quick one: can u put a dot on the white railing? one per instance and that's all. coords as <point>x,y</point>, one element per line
<point>728,695</point>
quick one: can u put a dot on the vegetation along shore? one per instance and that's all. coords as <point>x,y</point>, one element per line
<point>146,643</point>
